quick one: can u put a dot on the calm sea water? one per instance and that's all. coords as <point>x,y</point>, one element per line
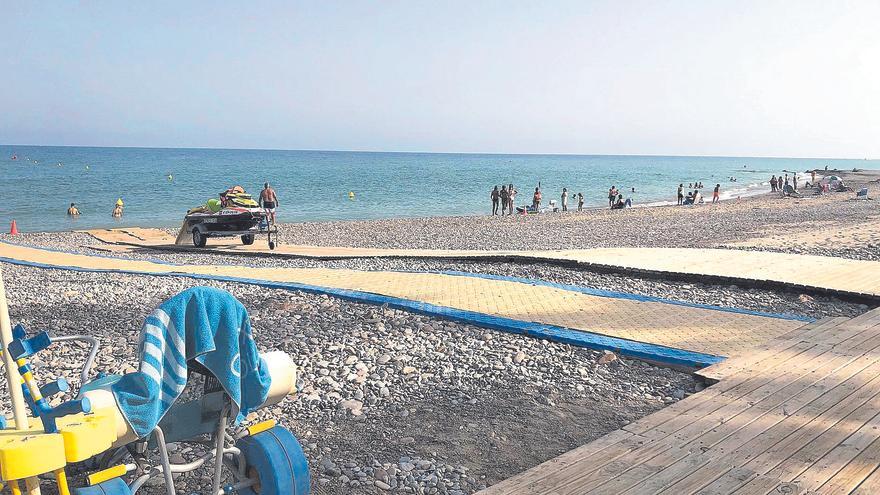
<point>314,185</point>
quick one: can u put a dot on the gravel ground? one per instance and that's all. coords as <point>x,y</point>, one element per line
<point>386,398</point>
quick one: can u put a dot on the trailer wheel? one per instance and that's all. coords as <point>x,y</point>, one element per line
<point>271,245</point>
<point>199,239</point>
<point>247,239</point>
<point>276,461</point>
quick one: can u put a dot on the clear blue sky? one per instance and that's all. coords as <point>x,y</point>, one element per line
<point>702,77</point>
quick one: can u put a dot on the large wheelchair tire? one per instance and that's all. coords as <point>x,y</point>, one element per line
<point>247,239</point>
<point>277,460</point>
<point>116,486</point>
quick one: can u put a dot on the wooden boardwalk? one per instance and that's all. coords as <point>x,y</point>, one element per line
<point>797,415</point>
<point>820,274</point>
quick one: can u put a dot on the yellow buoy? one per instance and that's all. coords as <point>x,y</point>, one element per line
<point>350,194</point>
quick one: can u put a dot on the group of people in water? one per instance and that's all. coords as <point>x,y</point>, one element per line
<point>695,197</point>
<point>118,207</point>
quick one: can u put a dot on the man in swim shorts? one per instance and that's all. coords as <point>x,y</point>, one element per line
<point>269,201</point>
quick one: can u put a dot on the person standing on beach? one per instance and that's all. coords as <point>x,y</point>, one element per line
<point>773,184</point>
<point>495,195</point>
<point>580,201</point>
<point>680,194</point>
<point>612,195</point>
<point>564,199</point>
<point>511,193</point>
<point>794,181</point>
<point>536,199</point>
<point>715,193</point>
<point>505,199</point>
<point>269,201</point>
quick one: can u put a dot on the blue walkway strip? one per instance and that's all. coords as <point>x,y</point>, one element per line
<point>641,350</point>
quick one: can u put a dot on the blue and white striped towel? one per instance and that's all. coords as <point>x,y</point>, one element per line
<point>203,324</point>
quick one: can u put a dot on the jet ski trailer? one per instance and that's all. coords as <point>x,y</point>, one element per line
<point>231,221</point>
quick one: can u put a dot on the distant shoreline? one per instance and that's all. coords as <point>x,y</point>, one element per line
<point>465,153</point>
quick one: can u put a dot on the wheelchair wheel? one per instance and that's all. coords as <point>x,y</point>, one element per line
<point>116,486</point>
<point>276,460</point>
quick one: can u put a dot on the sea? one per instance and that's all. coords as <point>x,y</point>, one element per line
<point>158,185</point>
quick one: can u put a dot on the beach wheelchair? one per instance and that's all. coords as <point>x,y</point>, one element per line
<point>200,375</point>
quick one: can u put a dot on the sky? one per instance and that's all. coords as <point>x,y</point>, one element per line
<point>797,78</point>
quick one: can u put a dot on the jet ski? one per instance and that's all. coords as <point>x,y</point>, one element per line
<point>234,214</point>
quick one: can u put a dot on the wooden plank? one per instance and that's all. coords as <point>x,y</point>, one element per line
<point>668,476</point>
<point>796,462</point>
<point>737,386</point>
<point>871,485</point>
<point>837,403</point>
<point>574,482</point>
<point>606,449</point>
<point>756,433</point>
<point>762,428</point>
<point>691,425</point>
<point>728,483</point>
<point>767,351</point>
<point>838,458</point>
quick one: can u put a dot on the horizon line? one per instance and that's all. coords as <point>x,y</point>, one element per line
<point>493,153</point>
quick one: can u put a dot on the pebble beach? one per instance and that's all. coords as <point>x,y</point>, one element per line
<point>394,402</point>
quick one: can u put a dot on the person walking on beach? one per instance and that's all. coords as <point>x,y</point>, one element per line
<point>505,199</point>
<point>715,193</point>
<point>73,211</point>
<point>580,201</point>
<point>495,195</point>
<point>536,199</point>
<point>511,193</point>
<point>680,194</point>
<point>269,201</point>
<point>773,184</point>
<point>564,199</point>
